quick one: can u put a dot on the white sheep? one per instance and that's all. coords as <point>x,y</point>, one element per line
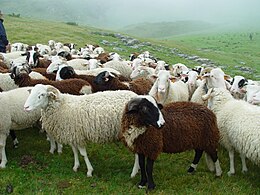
<point>165,91</point>
<point>178,69</point>
<point>210,78</point>
<point>77,120</point>
<point>7,83</point>
<point>238,122</point>
<point>142,72</point>
<point>122,66</point>
<point>251,90</point>
<point>13,116</point>
<point>256,99</point>
<point>238,86</point>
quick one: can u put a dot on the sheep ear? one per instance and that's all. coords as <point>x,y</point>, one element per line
<point>133,105</point>
<point>227,77</point>
<point>173,79</point>
<point>29,90</point>
<point>52,95</point>
<point>154,76</point>
<point>52,92</point>
<point>160,106</point>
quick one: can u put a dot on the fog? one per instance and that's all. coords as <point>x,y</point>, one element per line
<point>119,13</point>
<point>115,14</point>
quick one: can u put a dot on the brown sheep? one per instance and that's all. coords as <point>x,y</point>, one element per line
<point>183,126</point>
<point>108,81</point>
<point>42,71</point>
<point>71,86</point>
<point>68,72</point>
<point>103,58</point>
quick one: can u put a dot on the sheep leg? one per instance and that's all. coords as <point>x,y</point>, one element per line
<point>142,183</point>
<point>193,166</point>
<point>14,138</point>
<point>59,148</point>
<point>214,157</point>
<point>136,167</point>
<point>2,149</point>
<point>52,143</point>
<point>243,160</point>
<point>209,163</point>
<point>149,171</point>
<point>83,152</point>
<point>231,162</point>
<point>76,158</point>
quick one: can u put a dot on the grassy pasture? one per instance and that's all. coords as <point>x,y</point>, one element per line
<point>31,169</point>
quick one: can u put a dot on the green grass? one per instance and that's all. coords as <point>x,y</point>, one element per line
<point>228,50</point>
<point>45,173</point>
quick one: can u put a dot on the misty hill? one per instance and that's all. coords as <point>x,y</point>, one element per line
<point>58,10</point>
<point>166,29</point>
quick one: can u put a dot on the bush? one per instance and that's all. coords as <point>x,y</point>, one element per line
<point>72,23</point>
<point>14,15</point>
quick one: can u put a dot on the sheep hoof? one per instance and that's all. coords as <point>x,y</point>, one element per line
<point>150,187</point>
<point>141,187</point>
<point>142,184</point>
<point>75,168</point>
<point>231,173</point>
<point>191,170</point>
<point>244,171</point>
<point>2,165</point>
<point>89,173</point>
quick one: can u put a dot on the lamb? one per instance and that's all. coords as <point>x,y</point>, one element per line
<point>238,122</point>
<point>107,81</point>
<point>13,116</point>
<point>183,126</point>
<point>99,113</point>
<point>164,91</point>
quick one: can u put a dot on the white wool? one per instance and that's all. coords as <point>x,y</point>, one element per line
<point>80,119</point>
<point>13,115</point>
<point>79,64</point>
<point>7,83</point>
<point>172,92</point>
<point>121,66</point>
<point>238,122</point>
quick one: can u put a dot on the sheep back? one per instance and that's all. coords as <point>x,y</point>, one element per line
<point>88,118</point>
<point>187,126</point>
<point>12,113</point>
<point>239,126</point>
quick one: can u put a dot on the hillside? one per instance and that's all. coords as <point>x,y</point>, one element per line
<point>166,29</point>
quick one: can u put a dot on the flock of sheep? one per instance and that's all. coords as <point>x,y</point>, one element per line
<point>89,95</point>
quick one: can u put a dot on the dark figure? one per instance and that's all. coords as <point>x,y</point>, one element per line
<point>251,37</point>
<point>3,44</point>
<point>3,38</point>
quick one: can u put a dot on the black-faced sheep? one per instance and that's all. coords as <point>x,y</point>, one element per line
<point>107,81</point>
<point>178,127</point>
